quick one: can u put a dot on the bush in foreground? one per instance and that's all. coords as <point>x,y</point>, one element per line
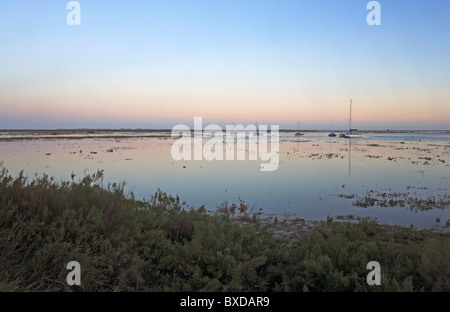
<point>123,244</point>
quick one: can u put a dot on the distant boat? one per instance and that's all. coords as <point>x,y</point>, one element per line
<point>298,133</point>
<point>353,132</point>
<point>331,134</point>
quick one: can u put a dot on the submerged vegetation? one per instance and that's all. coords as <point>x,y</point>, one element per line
<point>413,202</point>
<point>162,244</point>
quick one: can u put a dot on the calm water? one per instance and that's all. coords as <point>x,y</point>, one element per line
<point>317,177</point>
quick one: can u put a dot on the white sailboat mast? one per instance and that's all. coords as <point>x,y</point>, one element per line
<point>350,115</point>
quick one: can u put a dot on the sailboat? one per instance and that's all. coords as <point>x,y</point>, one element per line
<point>298,133</point>
<point>331,134</point>
<point>352,133</point>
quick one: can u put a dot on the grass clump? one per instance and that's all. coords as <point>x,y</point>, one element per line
<point>162,244</point>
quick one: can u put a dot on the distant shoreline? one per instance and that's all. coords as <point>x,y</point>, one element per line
<point>169,130</point>
<point>78,134</point>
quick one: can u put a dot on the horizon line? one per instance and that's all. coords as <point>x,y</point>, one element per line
<point>168,129</point>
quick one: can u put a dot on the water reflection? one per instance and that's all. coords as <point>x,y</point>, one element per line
<point>314,179</point>
<point>349,157</point>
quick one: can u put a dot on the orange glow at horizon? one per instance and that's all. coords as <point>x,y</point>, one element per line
<point>216,106</point>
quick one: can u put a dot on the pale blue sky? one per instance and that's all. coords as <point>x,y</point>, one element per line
<point>153,64</point>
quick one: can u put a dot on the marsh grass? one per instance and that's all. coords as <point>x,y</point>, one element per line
<point>162,244</point>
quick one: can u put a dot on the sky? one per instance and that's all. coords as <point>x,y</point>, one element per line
<point>155,64</point>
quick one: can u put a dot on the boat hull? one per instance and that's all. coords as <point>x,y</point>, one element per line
<point>349,136</point>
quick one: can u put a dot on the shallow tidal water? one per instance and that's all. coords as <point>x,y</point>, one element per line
<point>395,178</point>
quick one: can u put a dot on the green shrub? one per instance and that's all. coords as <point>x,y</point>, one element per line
<point>164,245</point>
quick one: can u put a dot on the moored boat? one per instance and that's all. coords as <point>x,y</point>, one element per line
<point>353,133</point>
<point>298,133</point>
